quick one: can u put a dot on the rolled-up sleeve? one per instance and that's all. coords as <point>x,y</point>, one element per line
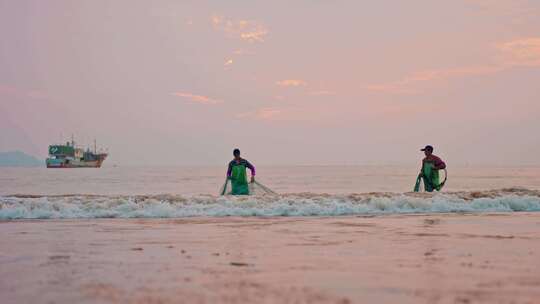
<point>251,168</point>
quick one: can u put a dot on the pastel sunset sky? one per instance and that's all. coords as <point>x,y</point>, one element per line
<point>288,82</point>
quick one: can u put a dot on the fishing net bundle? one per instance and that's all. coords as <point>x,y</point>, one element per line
<point>255,188</point>
<point>430,178</point>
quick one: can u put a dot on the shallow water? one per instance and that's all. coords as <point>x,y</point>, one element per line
<point>282,179</point>
<point>304,191</point>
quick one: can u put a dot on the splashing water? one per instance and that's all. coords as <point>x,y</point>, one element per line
<point>302,204</point>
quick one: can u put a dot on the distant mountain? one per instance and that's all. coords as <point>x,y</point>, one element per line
<point>19,159</point>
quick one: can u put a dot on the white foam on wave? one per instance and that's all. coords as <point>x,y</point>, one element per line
<point>167,206</point>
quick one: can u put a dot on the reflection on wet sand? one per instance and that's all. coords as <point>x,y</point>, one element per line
<point>443,258</point>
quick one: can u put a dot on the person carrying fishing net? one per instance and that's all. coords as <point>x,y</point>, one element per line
<point>429,173</point>
<point>236,173</point>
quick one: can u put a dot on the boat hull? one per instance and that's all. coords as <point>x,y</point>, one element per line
<point>73,163</point>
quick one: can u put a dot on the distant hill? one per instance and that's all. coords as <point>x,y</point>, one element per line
<point>19,159</point>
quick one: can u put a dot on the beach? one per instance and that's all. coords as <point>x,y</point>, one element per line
<point>297,152</point>
<point>415,258</point>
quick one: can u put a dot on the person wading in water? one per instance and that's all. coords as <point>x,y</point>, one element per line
<point>431,164</point>
<point>236,172</point>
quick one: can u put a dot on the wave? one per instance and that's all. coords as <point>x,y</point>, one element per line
<point>300,204</point>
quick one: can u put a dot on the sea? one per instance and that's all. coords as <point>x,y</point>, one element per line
<point>178,192</point>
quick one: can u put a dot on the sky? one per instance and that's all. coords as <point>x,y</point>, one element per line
<point>288,82</point>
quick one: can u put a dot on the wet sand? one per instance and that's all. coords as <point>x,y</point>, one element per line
<point>443,258</point>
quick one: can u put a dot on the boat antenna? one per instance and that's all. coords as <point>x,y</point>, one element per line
<point>95,146</point>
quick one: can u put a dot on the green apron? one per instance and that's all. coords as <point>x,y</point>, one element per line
<point>239,181</point>
<point>430,175</point>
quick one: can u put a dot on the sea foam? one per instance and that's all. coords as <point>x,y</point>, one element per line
<point>303,204</point>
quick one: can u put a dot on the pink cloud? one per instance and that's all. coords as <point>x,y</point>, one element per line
<point>291,83</point>
<point>256,35</point>
<point>261,114</point>
<point>520,52</point>
<point>247,30</point>
<point>408,85</point>
<point>197,98</point>
<point>240,52</point>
